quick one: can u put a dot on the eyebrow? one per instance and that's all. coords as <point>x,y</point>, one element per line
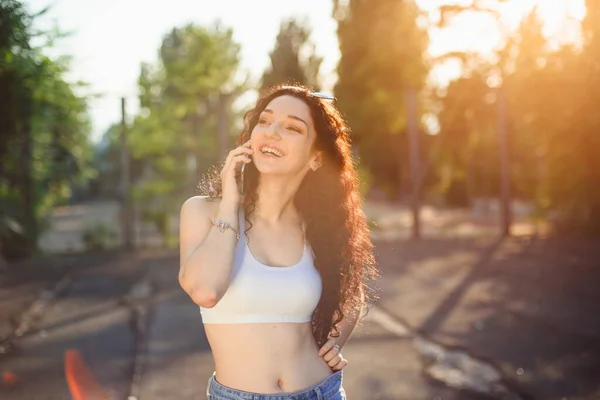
<point>289,116</point>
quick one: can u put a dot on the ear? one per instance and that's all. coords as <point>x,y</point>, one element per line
<point>317,161</point>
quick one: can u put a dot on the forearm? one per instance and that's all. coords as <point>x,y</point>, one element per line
<point>207,271</point>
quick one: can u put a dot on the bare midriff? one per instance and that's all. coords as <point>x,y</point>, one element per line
<point>267,358</point>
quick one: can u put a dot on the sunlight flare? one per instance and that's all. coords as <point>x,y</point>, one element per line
<point>82,383</point>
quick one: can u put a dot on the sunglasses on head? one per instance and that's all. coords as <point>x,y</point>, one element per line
<point>323,96</point>
<point>319,95</point>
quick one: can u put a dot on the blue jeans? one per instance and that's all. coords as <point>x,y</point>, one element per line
<point>330,389</point>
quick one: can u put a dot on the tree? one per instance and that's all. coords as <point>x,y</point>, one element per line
<point>287,61</point>
<point>468,162</point>
<point>44,131</point>
<point>579,172</point>
<point>551,97</point>
<point>175,134</point>
<point>107,164</point>
<point>382,58</point>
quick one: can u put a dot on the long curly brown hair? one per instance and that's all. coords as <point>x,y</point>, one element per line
<point>329,202</point>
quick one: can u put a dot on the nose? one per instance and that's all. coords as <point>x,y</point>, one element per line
<point>273,131</point>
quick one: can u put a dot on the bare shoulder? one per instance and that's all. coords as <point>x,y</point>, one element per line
<point>200,207</point>
<point>195,218</point>
<point>194,223</point>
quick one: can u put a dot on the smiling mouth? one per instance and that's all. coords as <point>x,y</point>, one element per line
<point>271,151</point>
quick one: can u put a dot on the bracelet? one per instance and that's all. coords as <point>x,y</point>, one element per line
<point>225,225</point>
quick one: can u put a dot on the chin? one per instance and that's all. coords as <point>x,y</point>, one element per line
<point>269,166</point>
<point>270,170</point>
<point>265,169</point>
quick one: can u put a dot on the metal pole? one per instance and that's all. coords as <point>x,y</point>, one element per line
<point>505,209</point>
<point>222,124</point>
<point>415,167</point>
<point>126,214</point>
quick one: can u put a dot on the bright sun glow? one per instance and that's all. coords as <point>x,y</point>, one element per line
<point>556,14</point>
<point>481,32</point>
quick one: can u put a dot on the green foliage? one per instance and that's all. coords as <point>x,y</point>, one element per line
<point>180,99</point>
<point>469,130</point>
<point>381,59</point>
<point>44,146</point>
<point>288,64</point>
<point>98,236</point>
<point>161,219</point>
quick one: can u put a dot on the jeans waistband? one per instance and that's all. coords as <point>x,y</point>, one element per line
<point>322,391</point>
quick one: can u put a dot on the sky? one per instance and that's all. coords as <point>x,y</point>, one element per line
<point>109,39</point>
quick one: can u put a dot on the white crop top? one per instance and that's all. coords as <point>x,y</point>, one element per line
<point>259,293</point>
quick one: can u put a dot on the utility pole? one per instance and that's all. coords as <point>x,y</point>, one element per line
<point>222,124</point>
<point>505,208</point>
<point>126,209</point>
<point>414,159</point>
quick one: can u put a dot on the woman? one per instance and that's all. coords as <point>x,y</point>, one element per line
<point>280,271</point>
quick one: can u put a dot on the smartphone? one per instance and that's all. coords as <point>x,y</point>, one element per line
<point>242,174</point>
<point>242,178</point>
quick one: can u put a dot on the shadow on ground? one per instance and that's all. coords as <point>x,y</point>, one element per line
<point>530,305</point>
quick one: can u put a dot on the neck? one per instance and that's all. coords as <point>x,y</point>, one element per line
<point>276,198</point>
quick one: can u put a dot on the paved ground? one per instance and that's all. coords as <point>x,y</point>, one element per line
<point>383,365</point>
<point>529,306</point>
<point>516,319</point>
<point>90,314</point>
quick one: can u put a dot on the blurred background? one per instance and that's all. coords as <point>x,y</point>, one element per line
<point>476,135</point>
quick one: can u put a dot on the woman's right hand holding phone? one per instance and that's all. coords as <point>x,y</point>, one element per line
<point>233,163</point>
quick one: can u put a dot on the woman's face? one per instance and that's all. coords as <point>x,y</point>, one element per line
<point>283,137</point>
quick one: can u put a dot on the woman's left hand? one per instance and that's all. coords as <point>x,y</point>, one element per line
<point>332,356</point>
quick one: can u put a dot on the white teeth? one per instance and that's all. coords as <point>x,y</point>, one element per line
<point>271,150</point>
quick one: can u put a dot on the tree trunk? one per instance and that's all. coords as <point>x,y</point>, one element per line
<point>28,184</point>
